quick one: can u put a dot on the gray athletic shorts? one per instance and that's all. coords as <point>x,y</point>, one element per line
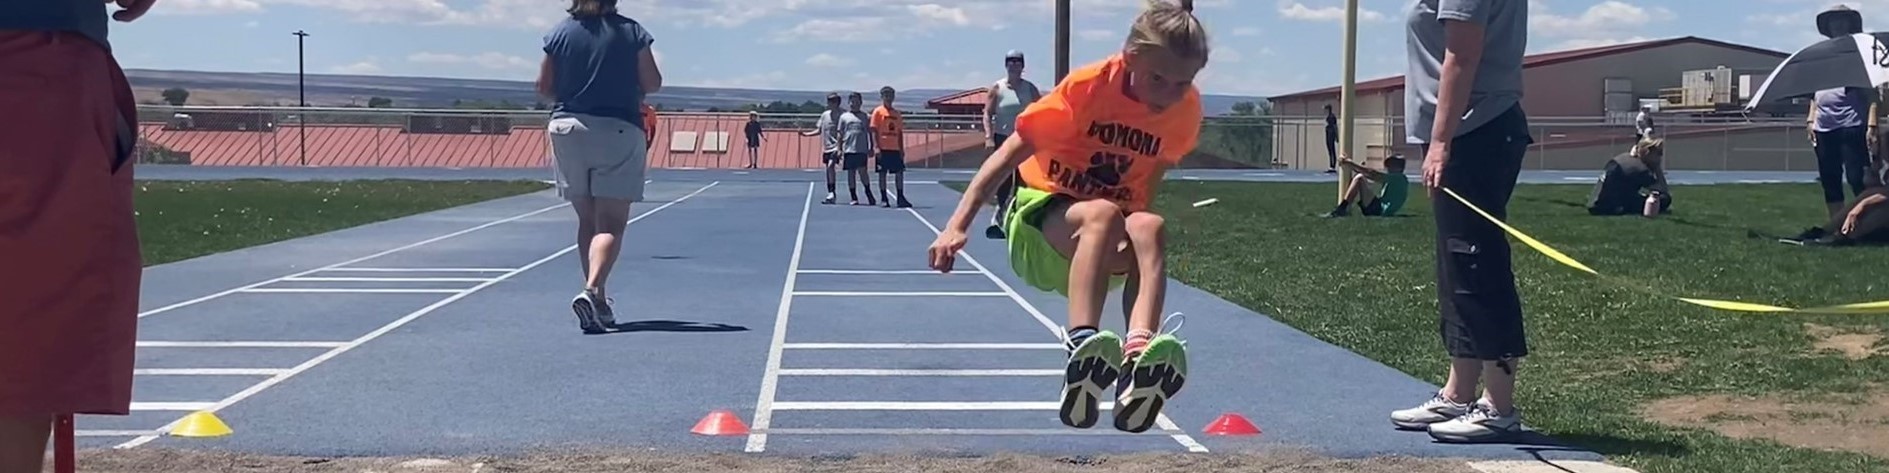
<point>598,157</point>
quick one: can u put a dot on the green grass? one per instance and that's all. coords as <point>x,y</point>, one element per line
<point>1368,285</point>
<point>179,220</point>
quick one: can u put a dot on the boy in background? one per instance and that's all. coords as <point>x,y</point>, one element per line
<point>856,147</point>
<point>1388,189</point>
<point>828,128</point>
<point>889,124</point>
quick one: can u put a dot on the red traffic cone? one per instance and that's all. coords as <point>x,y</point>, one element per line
<point>1232,424</point>
<point>721,422</point>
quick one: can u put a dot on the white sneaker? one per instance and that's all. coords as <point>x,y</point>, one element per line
<point>1481,424</point>
<point>1437,409</point>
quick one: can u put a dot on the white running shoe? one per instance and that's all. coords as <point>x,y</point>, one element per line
<point>1437,409</point>
<point>1481,424</point>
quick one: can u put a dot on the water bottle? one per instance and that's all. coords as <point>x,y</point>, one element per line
<point>1652,206</point>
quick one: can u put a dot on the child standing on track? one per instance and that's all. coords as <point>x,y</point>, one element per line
<point>888,123</point>
<point>856,147</point>
<point>828,128</point>
<point>1091,155</point>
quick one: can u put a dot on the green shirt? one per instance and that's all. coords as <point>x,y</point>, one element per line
<point>1396,189</point>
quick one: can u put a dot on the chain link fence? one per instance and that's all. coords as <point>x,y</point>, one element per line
<point>1578,143</point>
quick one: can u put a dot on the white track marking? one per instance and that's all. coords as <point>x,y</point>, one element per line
<point>241,344</point>
<point>917,372</point>
<point>333,290</point>
<point>422,270</point>
<point>947,432</point>
<point>336,279</point>
<point>208,372</point>
<point>383,330</point>
<point>895,294</point>
<point>408,246</point>
<point>1166,424</point>
<point>110,433</point>
<point>171,406</point>
<point>879,271</point>
<point>923,346</point>
<point>770,378</point>
<point>924,406</point>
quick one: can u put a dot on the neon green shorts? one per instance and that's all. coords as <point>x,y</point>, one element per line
<point>1031,255</point>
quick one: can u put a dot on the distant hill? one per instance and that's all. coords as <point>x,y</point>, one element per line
<point>238,88</point>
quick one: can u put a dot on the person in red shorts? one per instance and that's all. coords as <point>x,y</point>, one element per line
<point>68,239</point>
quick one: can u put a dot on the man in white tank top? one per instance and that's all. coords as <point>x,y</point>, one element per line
<point>1007,99</point>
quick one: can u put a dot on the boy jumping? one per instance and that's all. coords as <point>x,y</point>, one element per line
<point>888,123</point>
<point>1090,155</point>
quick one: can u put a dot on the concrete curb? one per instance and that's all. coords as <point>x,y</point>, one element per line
<point>1546,466</point>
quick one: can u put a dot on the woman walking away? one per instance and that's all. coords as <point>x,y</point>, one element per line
<point>1841,121</point>
<point>69,251</point>
<point>1464,89</point>
<point>1007,99</point>
<point>598,68</point>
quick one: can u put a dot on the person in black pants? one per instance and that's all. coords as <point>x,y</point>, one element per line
<point>1842,121</point>
<point>1464,97</point>
<point>1331,140</point>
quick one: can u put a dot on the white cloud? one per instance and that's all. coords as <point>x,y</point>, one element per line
<point>488,60</point>
<point>829,60</point>
<point>1246,31</point>
<point>842,30</point>
<point>207,7</point>
<point>1299,11</point>
<point>1604,23</point>
<point>366,67</point>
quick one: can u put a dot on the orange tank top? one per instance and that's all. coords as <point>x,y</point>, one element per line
<point>1095,142</point>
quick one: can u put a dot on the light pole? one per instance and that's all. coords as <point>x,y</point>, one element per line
<point>301,87</point>
<point>1348,92</point>
<point>1062,40</point>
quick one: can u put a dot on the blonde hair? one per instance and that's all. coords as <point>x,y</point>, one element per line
<point>1169,25</point>
<point>1654,148</point>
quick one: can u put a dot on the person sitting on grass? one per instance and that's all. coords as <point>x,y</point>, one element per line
<point>1863,221</point>
<point>1387,189</point>
<point>1629,178</point>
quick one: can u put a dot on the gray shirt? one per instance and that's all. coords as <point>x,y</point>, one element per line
<point>855,133</point>
<point>1497,86</point>
<point>85,17</point>
<point>595,67</point>
<point>1842,107</point>
<point>829,127</point>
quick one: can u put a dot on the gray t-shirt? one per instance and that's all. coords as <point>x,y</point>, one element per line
<point>829,127</point>
<point>595,64</point>
<point>1497,86</point>
<point>855,133</point>
<point>86,17</point>
<point>1842,107</point>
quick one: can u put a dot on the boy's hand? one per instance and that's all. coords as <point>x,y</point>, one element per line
<point>944,251</point>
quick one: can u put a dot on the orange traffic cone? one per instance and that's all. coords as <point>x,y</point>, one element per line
<point>1232,424</point>
<point>721,422</point>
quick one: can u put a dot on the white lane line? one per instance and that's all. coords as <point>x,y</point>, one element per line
<point>994,432</point>
<point>143,344</point>
<point>881,271</point>
<point>923,346</point>
<point>896,294</point>
<point>341,290</point>
<point>383,330</point>
<point>1166,424</point>
<point>171,406</point>
<point>924,406</point>
<point>422,270</point>
<point>917,372</point>
<point>1582,179</point>
<point>408,246</point>
<point>1546,466</point>
<point>208,372</point>
<point>110,433</point>
<point>352,279</point>
<point>770,377</point>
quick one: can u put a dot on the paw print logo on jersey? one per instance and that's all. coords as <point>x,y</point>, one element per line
<point>1108,168</point>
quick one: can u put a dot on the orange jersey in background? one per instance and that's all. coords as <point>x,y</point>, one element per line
<point>649,125</point>
<point>888,126</point>
<point>1094,142</point>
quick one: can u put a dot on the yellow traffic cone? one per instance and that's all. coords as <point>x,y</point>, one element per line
<point>201,424</point>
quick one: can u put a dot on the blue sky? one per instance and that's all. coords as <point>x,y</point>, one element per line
<point>1262,47</point>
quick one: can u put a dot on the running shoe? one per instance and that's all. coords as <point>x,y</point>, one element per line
<point>1094,364</point>
<point>1481,424</point>
<point>585,306</point>
<point>1438,409</point>
<point>1149,379</point>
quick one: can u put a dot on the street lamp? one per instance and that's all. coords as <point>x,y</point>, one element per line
<point>1062,40</point>
<point>1348,92</point>
<point>301,87</point>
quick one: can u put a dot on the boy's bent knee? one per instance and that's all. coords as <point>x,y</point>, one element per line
<point>1096,212</point>
<point>1146,227</point>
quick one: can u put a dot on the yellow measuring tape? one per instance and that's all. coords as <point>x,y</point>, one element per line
<point>1880,307</point>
